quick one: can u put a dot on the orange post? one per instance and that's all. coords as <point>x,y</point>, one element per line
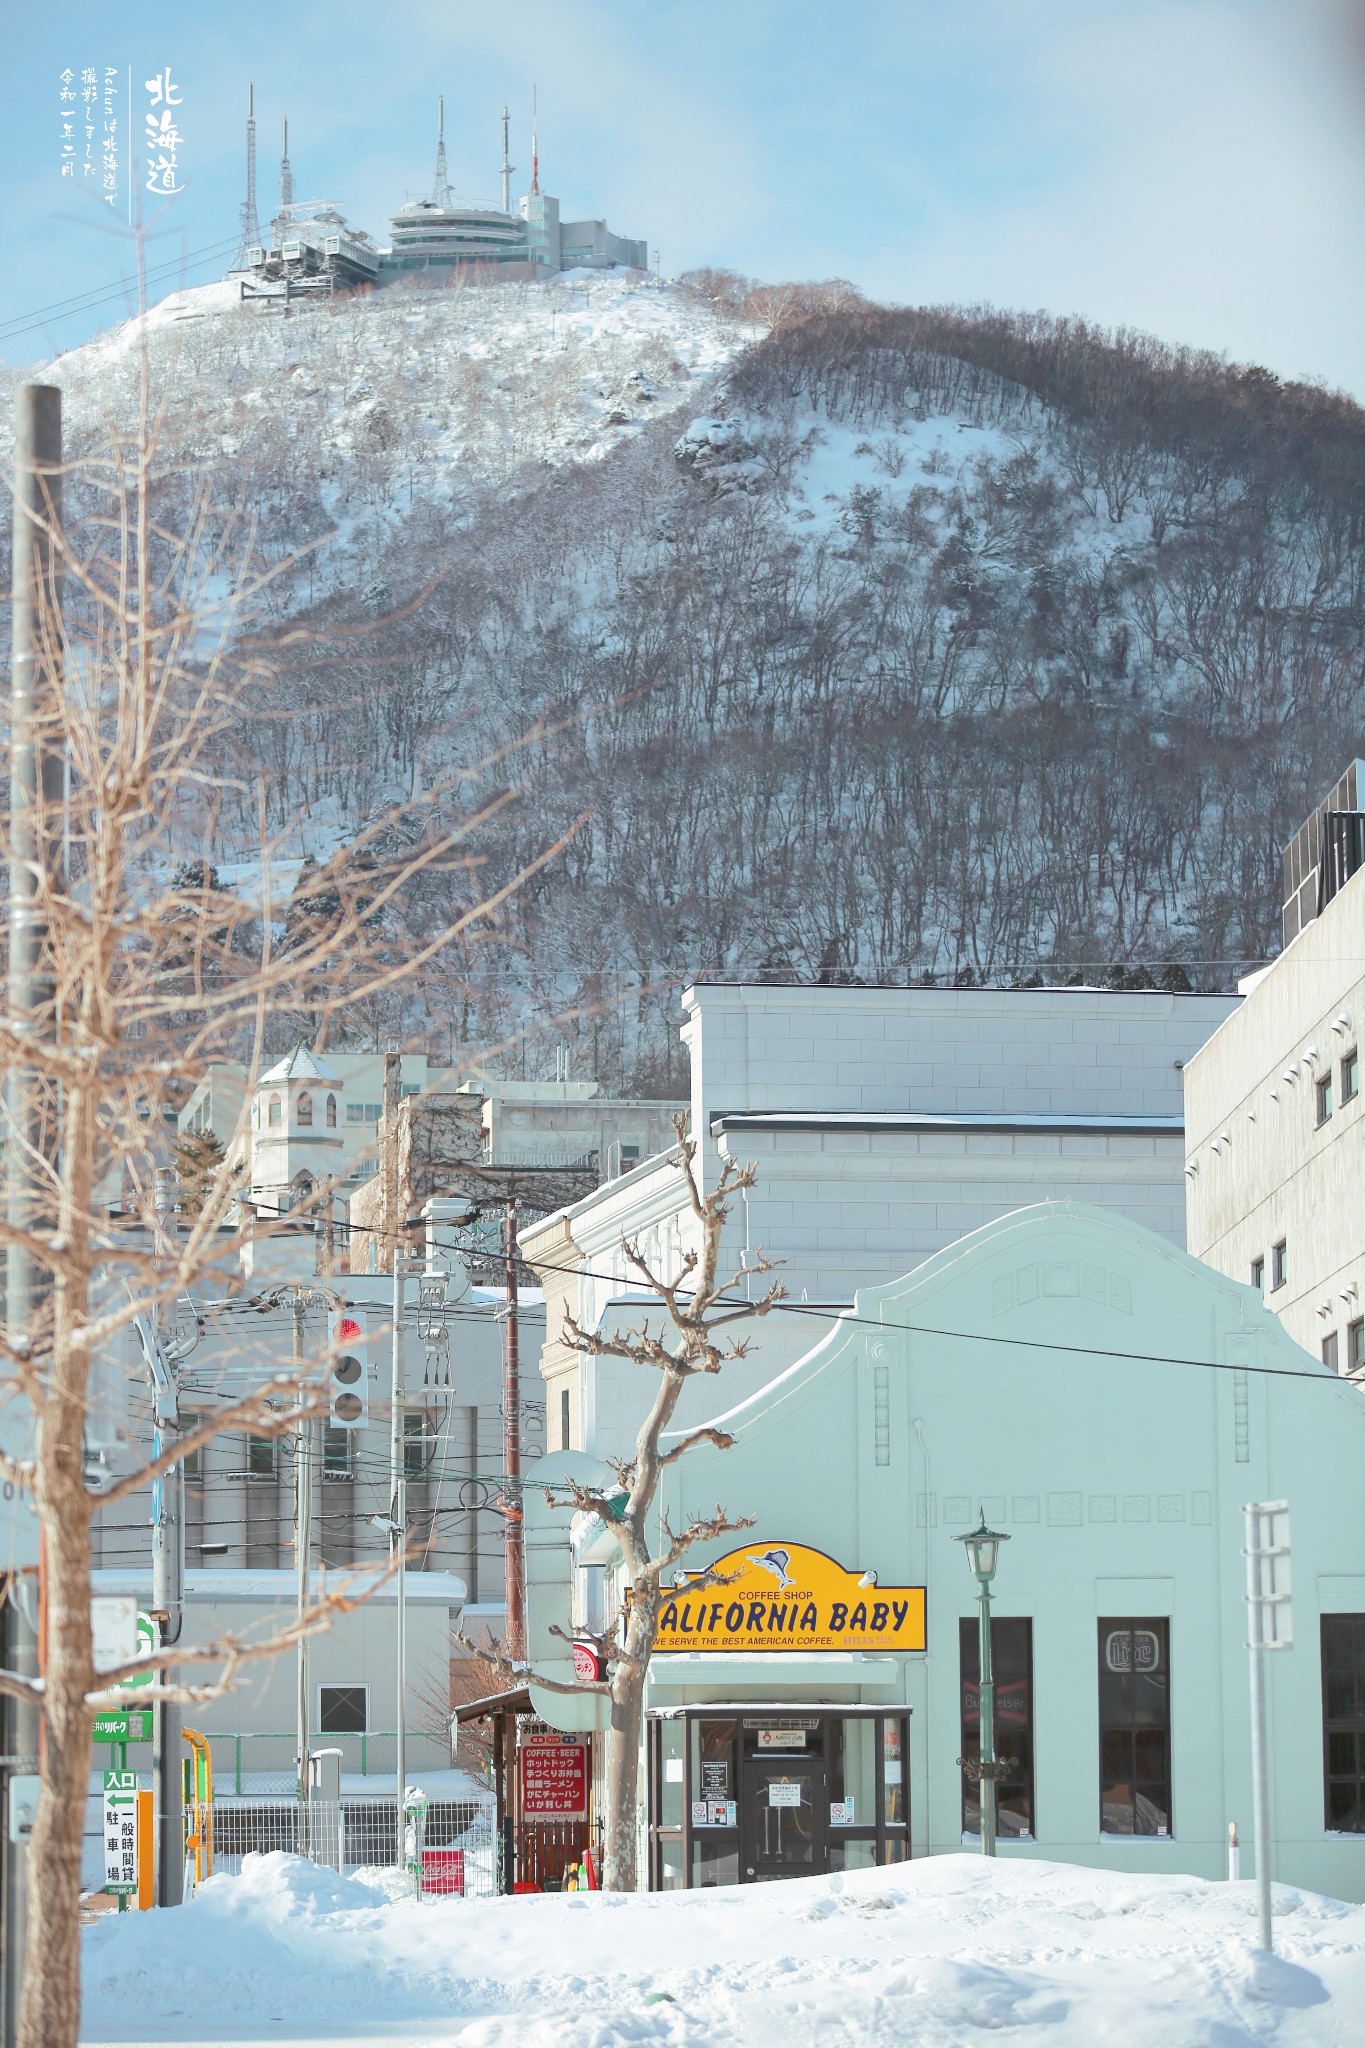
<point>145,1893</point>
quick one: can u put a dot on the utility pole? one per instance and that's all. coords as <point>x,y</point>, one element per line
<point>37,783</point>
<point>303,1529</point>
<point>513,1532</point>
<point>398,1538</point>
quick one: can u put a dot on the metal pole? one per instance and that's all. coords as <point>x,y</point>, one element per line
<point>1260,1781</point>
<point>168,1603</point>
<point>987,1699</point>
<point>513,1555</point>
<point>398,1518</point>
<point>303,1530</point>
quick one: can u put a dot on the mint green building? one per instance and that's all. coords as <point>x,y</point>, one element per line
<point>1110,1403</point>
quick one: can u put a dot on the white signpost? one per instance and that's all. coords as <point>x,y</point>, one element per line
<point>120,1832</point>
<point>1271,1627</point>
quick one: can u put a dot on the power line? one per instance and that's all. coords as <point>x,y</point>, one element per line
<point>84,302</point>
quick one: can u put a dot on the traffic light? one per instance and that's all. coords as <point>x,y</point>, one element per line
<point>349,1379</point>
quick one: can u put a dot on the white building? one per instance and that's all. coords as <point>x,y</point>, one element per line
<point>1111,1404</point>
<point>1276,1131</point>
<point>886,1123</point>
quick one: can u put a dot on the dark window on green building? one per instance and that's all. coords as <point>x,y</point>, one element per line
<point>1135,1727</point>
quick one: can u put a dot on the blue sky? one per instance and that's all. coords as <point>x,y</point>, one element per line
<point>1193,167</point>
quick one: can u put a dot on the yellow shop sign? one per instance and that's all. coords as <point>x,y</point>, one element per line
<point>785,1596</point>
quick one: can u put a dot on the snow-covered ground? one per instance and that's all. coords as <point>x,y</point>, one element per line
<point>933,1954</point>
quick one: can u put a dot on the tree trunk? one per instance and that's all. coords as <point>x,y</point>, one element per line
<point>49,2015</point>
<point>620,1861</point>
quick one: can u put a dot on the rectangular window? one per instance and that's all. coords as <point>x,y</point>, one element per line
<point>343,1709</point>
<point>1012,1665</point>
<point>564,1418</point>
<point>336,1451</point>
<point>1258,1274</point>
<point>416,1449</point>
<point>1279,1264</point>
<point>1322,1096</point>
<point>193,1462</point>
<point>1350,1075</point>
<point>1135,1727</point>
<point>1329,1351</point>
<point>260,1457</point>
<point>1355,1345</point>
<point>1343,1722</point>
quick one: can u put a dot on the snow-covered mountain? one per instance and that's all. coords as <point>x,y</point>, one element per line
<point>875,645</point>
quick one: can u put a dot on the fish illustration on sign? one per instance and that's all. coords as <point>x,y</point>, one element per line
<point>776,1562</point>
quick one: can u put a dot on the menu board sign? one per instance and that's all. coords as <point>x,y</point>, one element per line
<point>554,1777</point>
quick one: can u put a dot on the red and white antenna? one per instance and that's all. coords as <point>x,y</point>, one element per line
<point>535,145</point>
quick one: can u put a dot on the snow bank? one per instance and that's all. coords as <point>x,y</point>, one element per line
<point>934,1954</point>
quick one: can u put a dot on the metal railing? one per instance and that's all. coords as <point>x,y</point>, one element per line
<point>453,1849</point>
<point>263,1766</point>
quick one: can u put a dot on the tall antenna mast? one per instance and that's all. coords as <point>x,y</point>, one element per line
<point>251,229</point>
<point>507,165</point>
<point>535,145</point>
<point>441,192</point>
<point>286,175</point>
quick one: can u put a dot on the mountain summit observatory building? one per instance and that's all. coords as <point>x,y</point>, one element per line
<point>310,248</point>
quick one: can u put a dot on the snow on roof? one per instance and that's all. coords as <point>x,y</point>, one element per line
<point>301,1065</point>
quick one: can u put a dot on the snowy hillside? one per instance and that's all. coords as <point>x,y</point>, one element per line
<point>881,645</point>
<point>935,1954</point>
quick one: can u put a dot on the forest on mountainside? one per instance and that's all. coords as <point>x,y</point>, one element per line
<point>952,644</point>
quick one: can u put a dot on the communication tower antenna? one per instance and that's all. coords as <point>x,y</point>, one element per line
<point>251,230</point>
<point>507,165</point>
<point>286,174</point>
<point>535,145</point>
<point>441,193</point>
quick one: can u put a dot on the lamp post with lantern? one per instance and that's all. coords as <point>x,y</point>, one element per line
<point>983,1554</point>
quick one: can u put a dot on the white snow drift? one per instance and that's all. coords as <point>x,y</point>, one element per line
<point>934,1954</point>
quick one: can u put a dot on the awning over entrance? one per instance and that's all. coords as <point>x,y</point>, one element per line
<point>517,1701</point>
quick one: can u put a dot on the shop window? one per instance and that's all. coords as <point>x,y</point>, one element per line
<point>1012,1663</point>
<point>336,1451</point>
<point>1350,1075</point>
<point>331,1112</point>
<point>1258,1274</point>
<point>1329,1351</point>
<point>343,1709</point>
<point>303,1113</point>
<point>1135,1727</point>
<point>1343,1722</point>
<point>1355,1345</point>
<point>1322,1099</point>
<point>1279,1264</point>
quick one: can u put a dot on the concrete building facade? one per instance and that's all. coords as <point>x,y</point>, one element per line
<point>1276,1133</point>
<point>886,1123</point>
<point>1111,1404</point>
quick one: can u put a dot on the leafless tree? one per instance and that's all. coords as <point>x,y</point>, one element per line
<point>698,1308</point>
<point>143,710</point>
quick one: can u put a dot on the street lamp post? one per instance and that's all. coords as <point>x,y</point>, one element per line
<point>983,1554</point>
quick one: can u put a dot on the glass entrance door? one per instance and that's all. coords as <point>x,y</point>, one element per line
<point>782,1832</point>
